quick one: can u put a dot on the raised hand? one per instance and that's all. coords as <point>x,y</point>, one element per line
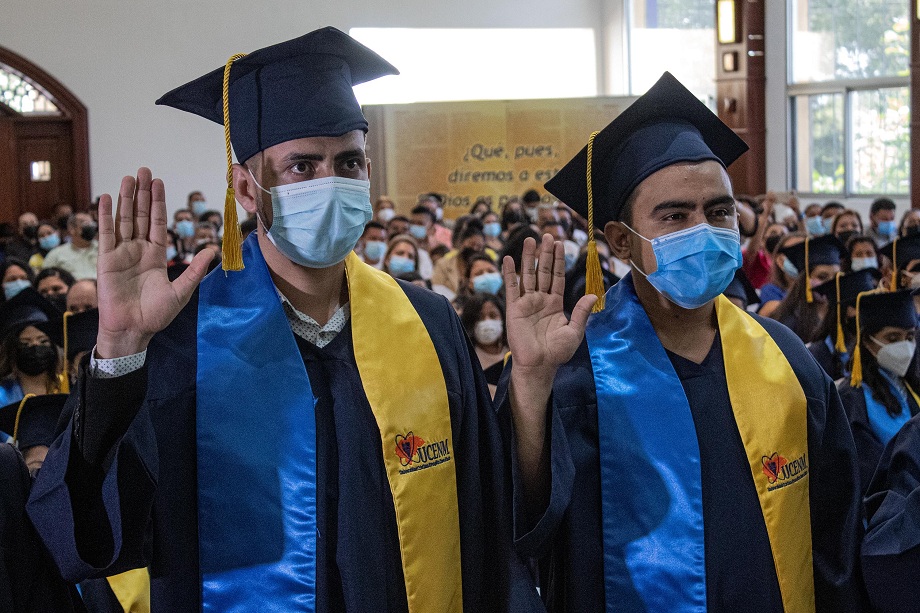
<point>540,336</point>
<point>136,299</point>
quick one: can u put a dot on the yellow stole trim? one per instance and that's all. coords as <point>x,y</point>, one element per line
<point>132,589</point>
<point>771,413</point>
<point>413,415</point>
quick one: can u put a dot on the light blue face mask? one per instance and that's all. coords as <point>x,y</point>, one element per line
<point>815,225</point>
<point>790,269</point>
<point>171,253</point>
<point>11,288</point>
<point>375,250</point>
<point>199,207</point>
<point>317,223</point>
<point>488,283</point>
<point>887,228</point>
<point>492,229</point>
<point>398,265</point>
<point>863,263</point>
<point>418,232</point>
<point>185,228</point>
<point>694,265</point>
<point>827,223</point>
<point>49,242</point>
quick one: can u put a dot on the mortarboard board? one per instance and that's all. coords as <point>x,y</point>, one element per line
<point>665,126</point>
<point>33,420</point>
<point>26,308</point>
<point>296,89</point>
<point>843,290</point>
<point>817,251</point>
<point>874,311</point>
<point>901,252</point>
<point>78,332</point>
<point>741,288</point>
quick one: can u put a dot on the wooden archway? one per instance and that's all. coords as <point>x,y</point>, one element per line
<point>63,137</point>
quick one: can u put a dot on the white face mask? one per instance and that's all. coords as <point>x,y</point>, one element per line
<point>317,223</point>
<point>895,357</point>
<point>915,281</point>
<point>488,331</point>
<point>385,215</point>
<point>863,263</point>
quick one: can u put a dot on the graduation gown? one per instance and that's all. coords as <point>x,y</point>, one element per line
<point>868,447</point>
<point>29,582</point>
<point>827,358</point>
<point>566,537</point>
<point>891,549</point>
<point>129,454</point>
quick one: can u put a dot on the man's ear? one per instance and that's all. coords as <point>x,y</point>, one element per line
<point>618,238</point>
<point>368,160</point>
<point>245,188</point>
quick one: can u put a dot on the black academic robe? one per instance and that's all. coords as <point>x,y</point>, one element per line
<point>129,453</point>
<point>828,360</point>
<point>891,549</point>
<point>566,537</point>
<point>29,582</point>
<point>868,447</point>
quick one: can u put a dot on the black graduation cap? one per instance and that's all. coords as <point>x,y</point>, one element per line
<point>901,252</point>
<point>665,126</point>
<point>826,249</point>
<point>844,288</point>
<point>26,308</point>
<point>742,289</point>
<point>295,89</point>
<point>874,311</point>
<point>81,331</point>
<point>37,416</point>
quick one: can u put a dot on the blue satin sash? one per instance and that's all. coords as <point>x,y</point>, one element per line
<point>256,436</point>
<point>651,489</point>
<point>884,425</point>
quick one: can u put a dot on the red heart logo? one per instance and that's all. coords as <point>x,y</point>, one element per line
<point>772,465</point>
<point>406,446</point>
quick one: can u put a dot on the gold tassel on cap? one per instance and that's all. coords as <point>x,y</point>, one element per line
<point>22,404</point>
<point>65,380</point>
<point>856,374</point>
<point>894,265</point>
<point>809,296</point>
<point>594,278</point>
<point>232,248</point>
<point>840,345</point>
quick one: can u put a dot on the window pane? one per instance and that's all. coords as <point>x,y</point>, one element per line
<point>660,34</point>
<point>881,141</point>
<point>819,143</point>
<point>854,39</point>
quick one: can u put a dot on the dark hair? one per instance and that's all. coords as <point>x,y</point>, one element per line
<point>777,275</point>
<point>208,214</point>
<point>60,273</point>
<point>424,210</point>
<point>798,314</point>
<point>833,204</point>
<point>472,227</point>
<point>551,222</point>
<point>374,225</point>
<point>247,226</point>
<point>514,246</point>
<point>878,384</point>
<point>512,217</point>
<point>432,196</point>
<point>10,262</point>
<point>439,250</point>
<point>882,204</point>
<point>530,196</point>
<point>625,214</point>
<point>478,256</point>
<point>9,357</point>
<point>472,309</point>
<point>480,202</point>
<point>846,213</point>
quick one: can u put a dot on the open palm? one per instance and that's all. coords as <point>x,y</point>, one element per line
<point>136,298</point>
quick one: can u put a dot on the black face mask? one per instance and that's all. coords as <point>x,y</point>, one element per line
<point>912,230</point>
<point>843,237</point>
<point>36,359</point>
<point>30,232</point>
<point>772,242</point>
<point>88,231</point>
<point>59,301</point>
<point>792,227</point>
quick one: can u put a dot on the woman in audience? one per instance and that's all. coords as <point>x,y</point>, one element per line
<point>483,318</point>
<point>29,362</point>
<point>492,228</point>
<point>16,275</point>
<point>482,275</point>
<point>401,256</point>
<point>384,210</point>
<point>861,254</point>
<point>481,208</point>
<point>846,225</point>
<point>782,275</point>
<point>48,239</point>
<point>53,284</point>
<point>881,394</point>
<point>910,223</point>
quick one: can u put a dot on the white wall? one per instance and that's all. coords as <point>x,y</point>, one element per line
<point>118,56</point>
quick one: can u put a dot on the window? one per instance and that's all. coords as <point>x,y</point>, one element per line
<point>17,93</point>
<point>674,35</point>
<point>849,96</point>
<point>440,64</point>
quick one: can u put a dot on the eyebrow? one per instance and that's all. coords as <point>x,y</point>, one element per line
<point>300,156</point>
<point>686,205</point>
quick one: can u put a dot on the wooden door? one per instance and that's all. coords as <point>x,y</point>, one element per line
<point>44,166</point>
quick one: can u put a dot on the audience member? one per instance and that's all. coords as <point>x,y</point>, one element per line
<point>372,246</point>
<point>384,210</point>
<point>492,228</point>
<point>215,219</point>
<point>531,202</point>
<point>78,257</point>
<point>483,318</point>
<point>52,284</point>
<point>196,204</point>
<point>846,225</point>
<point>861,254</point>
<point>482,276</point>
<point>82,296</point>
<point>401,256</point>
<point>882,228</point>
<point>435,203</point>
<point>29,361</point>
<point>184,227</point>
<point>25,244</point>
<point>16,276</point>
<point>910,223</point>
<point>398,226</point>
<point>450,269</point>
<point>783,274</point>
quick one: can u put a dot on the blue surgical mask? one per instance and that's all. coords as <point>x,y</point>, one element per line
<point>814,225</point>
<point>418,232</point>
<point>11,288</point>
<point>887,228</point>
<point>398,265</point>
<point>863,263</point>
<point>49,242</point>
<point>171,253</point>
<point>789,268</point>
<point>694,265</point>
<point>488,283</point>
<point>492,229</point>
<point>374,250</point>
<point>317,223</point>
<point>827,223</point>
<point>185,228</point>
<point>199,207</point>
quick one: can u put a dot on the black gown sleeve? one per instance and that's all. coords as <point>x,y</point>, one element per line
<point>868,447</point>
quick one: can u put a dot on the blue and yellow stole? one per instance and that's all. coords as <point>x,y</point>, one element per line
<point>654,544</point>
<point>256,437</point>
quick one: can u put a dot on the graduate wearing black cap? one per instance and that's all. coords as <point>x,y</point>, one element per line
<point>29,581</point>
<point>671,452</point>
<point>891,548</point>
<point>29,360</point>
<point>257,445</point>
<point>904,255</point>
<point>837,333</point>
<point>880,394</point>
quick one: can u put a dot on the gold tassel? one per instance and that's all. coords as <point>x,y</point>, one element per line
<point>22,404</point>
<point>594,278</point>
<point>232,247</point>
<point>856,373</point>
<point>840,345</point>
<point>809,296</point>
<point>65,380</point>
<point>894,266</point>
